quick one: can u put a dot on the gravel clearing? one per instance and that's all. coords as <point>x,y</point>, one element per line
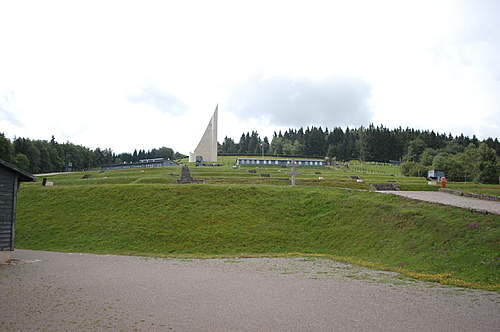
<point>47,291</point>
<point>449,199</point>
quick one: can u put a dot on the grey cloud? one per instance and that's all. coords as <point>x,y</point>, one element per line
<point>480,21</point>
<point>6,100</point>
<point>476,42</point>
<point>6,115</point>
<point>286,101</point>
<point>162,100</point>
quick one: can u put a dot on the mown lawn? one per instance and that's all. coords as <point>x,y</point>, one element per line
<point>430,241</point>
<point>340,176</point>
<point>488,189</point>
<point>308,176</point>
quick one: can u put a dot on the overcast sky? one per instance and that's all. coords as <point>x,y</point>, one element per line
<point>145,74</point>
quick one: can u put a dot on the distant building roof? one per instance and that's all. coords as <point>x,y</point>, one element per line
<point>280,162</point>
<point>151,160</point>
<point>23,175</point>
<point>435,174</point>
<point>145,163</point>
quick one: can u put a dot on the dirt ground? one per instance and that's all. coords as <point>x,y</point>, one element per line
<point>47,291</point>
<point>449,199</point>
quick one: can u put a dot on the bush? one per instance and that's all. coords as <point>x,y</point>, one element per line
<point>411,168</point>
<point>488,173</point>
<point>21,161</point>
<point>488,170</point>
<point>406,167</point>
<point>452,167</point>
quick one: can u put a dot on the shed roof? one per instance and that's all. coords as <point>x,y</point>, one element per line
<point>23,175</point>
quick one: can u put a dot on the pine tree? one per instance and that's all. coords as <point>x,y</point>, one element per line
<point>488,170</point>
<point>6,148</point>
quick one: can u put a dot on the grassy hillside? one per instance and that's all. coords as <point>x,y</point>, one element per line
<point>340,177</point>
<point>431,241</point>
<point>308,176</point>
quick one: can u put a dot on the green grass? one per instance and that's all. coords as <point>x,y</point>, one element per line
<point>331,177</point>
<point>488,189</point>
<point>423,240</point>
<point>374,168</point>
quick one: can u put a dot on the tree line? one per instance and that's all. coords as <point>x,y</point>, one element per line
<point>461,157</point>
<point>472,163</point>
<point>372,143</point>
<point>42,156</point>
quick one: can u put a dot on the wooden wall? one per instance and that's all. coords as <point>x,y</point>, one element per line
<point>8,188</point>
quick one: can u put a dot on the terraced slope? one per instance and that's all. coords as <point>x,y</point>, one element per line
<point>425,240</point>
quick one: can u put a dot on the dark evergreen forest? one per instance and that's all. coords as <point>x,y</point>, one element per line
<point>461,158</point>
<point>368,144</point>
<point>41,156</point>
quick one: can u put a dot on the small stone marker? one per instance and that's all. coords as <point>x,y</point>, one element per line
<point>46,183</point>
<point>86,176</point>
<point>186,176</point>
<point>317,172</point>
<point>265,175</point>
<point>385,187</point>
<point>252,171</point>
<point>292,178</point>
<point>293,173</point>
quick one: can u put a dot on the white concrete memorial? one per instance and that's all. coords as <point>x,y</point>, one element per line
<point>207,148</point>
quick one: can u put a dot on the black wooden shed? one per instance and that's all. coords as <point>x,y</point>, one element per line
<point>10,177</point>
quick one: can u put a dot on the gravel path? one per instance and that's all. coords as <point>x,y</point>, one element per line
<point>449,199</point>
<point>49,174</point>
<point>48,291</point>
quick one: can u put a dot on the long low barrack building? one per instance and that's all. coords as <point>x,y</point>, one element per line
<point>279,162</point>
<point>145,163</point>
